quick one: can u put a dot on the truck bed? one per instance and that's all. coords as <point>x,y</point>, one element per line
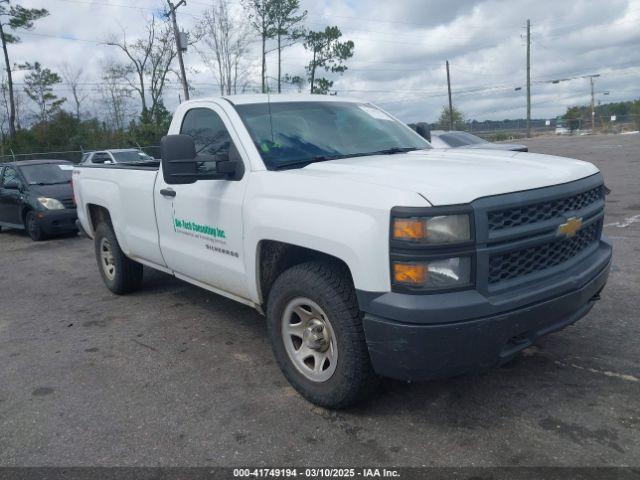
<point>126,191</point>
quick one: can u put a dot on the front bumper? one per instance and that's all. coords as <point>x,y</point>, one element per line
<point>57,221</point>
<point>420,337</point>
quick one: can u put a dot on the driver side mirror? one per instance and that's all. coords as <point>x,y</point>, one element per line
<point>12,184</point>
<point>422,129</point>
<point>182,165</point>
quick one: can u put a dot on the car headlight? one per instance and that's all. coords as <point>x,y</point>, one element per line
<point>436,274</point>
<point>51,203</point>
<point>435,230</point>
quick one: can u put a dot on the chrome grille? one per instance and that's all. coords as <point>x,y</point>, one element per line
<point>528,214</point>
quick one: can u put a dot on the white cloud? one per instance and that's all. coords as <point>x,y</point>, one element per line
<point>400,50</point>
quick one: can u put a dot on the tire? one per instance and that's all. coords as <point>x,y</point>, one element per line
<point>32,227</point>
<point>343,375</point>
<point>120,274</point>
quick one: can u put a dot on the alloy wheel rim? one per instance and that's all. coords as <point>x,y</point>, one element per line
<point>107,260</point>
<point>309,339</point>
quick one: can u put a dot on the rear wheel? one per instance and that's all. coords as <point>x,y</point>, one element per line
<point>316,333</point>
<point>120,274</point>
<point>33,227</point>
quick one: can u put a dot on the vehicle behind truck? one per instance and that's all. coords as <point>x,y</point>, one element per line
<point>36,196</point>
<point>370,253</point>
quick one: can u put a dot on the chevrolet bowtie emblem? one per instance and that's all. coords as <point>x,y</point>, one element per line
<point>570,228</point>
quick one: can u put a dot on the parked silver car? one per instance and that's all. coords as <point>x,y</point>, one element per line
<point>458,139</point>
<point>119,155</point>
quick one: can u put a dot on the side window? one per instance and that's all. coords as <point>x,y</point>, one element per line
<point>209,134</point>
<point>1,173</point>
<point>100,157</point>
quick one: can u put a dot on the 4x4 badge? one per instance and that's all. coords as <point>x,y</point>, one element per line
<point>570,228</point>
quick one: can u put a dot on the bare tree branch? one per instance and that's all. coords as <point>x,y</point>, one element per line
<point>226,39</point>
<point>73,77</point>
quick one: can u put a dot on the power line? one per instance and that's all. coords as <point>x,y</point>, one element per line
<point>107,4</point>
<point>422,92</point>
<point>120,5</point>
<point>62,37</point>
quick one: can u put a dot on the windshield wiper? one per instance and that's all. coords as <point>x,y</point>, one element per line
<point>393,150</point>
<point>49,183</point>
<point>316,159</point>
<point>324,158</point>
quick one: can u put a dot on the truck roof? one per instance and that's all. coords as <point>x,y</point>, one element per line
<point>115,150</point>
<point>280,98</point>
<point>20,163</point>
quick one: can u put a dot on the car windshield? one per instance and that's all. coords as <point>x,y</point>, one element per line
<point>459,139</point>
<point>47,173</point>
<point>129,156</point>
<point>291,134</point>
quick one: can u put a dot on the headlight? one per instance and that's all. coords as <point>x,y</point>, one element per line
<point>436,274</point>
<point>436,230</point>
<point>51,203</point>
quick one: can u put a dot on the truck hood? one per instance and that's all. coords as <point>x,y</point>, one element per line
<point>449,177</point>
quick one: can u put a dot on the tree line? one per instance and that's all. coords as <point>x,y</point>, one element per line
<point>125,107</point>
<point>577,116</point>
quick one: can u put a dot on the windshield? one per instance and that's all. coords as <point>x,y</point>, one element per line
<point>131,156</point>
<point>47,173</point>
<point>292,133</point>
<point>459,139</point>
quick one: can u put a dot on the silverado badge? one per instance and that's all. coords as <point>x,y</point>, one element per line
<point>570,228</point>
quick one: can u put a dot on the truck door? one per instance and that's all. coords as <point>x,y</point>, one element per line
<point>10,198</point>
<point>200,224</point>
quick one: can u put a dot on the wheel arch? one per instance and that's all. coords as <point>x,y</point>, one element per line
<point>23,214</point>
<point>98,214</point>
<point>274,257</point>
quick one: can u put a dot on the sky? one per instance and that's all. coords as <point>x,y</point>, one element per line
<point>400,51</point>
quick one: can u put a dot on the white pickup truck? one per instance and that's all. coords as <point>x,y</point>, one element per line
<point>370,253</point>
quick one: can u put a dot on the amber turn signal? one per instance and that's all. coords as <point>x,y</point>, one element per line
<point>408,229</point>
<point>410,273</point>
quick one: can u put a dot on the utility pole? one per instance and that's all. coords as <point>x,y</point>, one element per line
<point>450,103</point>
<point>528,78</point>
<point>176,34</point>
<point>593,106</point>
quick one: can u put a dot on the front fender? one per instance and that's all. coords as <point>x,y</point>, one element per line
<point>357,237</point>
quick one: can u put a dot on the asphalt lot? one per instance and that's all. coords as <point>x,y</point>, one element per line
<point>174,375</point>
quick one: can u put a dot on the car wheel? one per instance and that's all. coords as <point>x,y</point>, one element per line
<point>120,274</point>
<point>33,227</point>
<point>315,328</point>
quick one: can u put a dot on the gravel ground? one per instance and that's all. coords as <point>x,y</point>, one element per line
<point>174,375</point>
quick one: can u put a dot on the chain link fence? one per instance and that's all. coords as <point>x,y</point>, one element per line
<point>71,155</point>
<point>514,129</point>
<point>490,130</point>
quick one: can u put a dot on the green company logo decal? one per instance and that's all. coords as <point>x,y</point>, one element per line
<point>208,230</point>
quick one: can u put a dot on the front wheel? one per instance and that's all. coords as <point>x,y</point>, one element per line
<point>315,328</point>
<point>120,274</point>
<point>33,227</point>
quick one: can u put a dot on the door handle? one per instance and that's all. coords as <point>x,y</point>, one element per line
<point>168,192</point>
